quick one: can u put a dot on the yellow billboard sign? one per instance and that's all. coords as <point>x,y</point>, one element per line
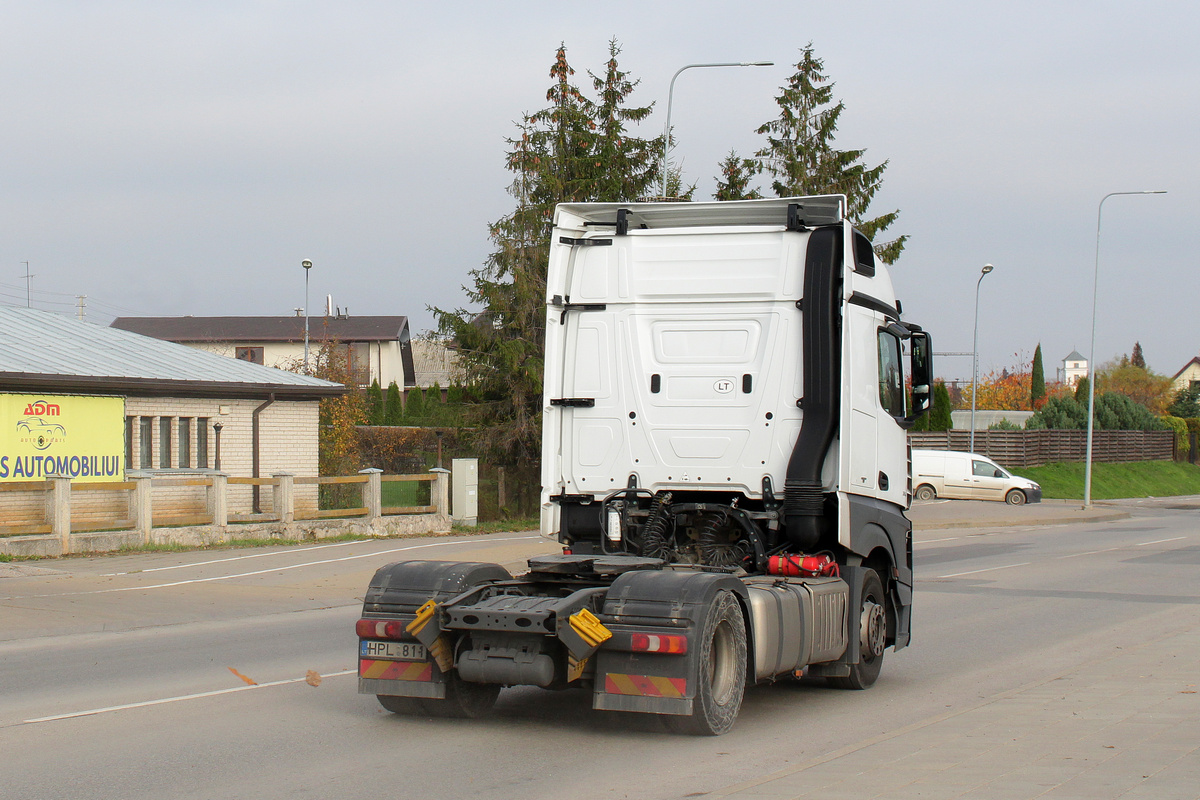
<point>41,435</point>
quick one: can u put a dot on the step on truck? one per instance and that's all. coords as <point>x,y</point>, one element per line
<point>724,463</point>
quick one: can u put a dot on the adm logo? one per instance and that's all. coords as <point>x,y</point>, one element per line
<point>37,430</point>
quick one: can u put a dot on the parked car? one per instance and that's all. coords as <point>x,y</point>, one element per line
<point>968,476</point>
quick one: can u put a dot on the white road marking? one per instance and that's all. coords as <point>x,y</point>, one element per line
<point>164,700</point>
<point>1123,547</point>
<point>989,569</point>
<point>272,569</point>
<point>1093,552</point>
<point>234,558</point>
<point>1160,541</point>
<point>1070,555</point>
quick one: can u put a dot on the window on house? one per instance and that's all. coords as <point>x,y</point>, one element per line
<point>164,442</point>
<point>145,442</point>
<point>252,354</point>
<point>185,442</point>
<point>202,442</point>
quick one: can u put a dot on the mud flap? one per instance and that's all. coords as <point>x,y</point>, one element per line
<point>398,591</point>
<point>656,602</point>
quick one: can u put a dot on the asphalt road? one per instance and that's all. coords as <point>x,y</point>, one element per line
<point>117,674</point>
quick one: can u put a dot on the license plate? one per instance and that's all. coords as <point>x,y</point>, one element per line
<point>399,651</point>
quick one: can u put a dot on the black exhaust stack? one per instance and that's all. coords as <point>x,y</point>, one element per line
<point>805,516</point>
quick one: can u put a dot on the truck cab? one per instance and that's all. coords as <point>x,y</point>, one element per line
<point>724,462</point>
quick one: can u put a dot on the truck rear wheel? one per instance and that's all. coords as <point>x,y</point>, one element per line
<point>872,636</point>
<point>400,705</point>
<point>720,675</point>
<point>925,492</point>
<point>463,700</point>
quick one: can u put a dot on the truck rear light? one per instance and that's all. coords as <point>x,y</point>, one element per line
<point>379,629</point>
<point>671,644</point>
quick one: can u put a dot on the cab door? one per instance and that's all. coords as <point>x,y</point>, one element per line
<point>989,481</point>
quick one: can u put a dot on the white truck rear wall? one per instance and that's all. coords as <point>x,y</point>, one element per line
<point>701,309</point>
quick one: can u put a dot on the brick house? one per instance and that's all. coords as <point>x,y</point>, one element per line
<point>179,410</point>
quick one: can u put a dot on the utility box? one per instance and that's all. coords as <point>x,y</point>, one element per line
<point>464,488</point>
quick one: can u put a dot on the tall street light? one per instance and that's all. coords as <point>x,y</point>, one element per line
<point>307,268</point>
<point>1087,470</point>
<point>671,96</point>
<point>975,353</point>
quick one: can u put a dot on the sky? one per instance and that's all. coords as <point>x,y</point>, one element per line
<point>183,158</point>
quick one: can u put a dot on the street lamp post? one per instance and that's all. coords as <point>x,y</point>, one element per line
<point>975,353</point>
<point>1087,470</point>
<point>307,268</point>
<point>671,96</point>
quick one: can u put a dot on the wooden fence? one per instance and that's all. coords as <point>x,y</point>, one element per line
<point>1034,448</point>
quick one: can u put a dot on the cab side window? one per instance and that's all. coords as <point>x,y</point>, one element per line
<point>891,374</point>
<point>983,469</point>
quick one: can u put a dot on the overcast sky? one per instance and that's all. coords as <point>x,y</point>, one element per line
<point>170,158</point>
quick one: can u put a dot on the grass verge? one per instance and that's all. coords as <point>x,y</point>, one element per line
<point>1064,481</point>
<point>499,526</point>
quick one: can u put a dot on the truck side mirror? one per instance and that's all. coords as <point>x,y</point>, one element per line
<point>921,370</point>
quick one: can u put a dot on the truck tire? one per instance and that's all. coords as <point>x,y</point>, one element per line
<point>872,636</point>
<point>464,700</point>
<point>1015,498</point>
<point>400,705</point>
<point>925,492</point>
<point>720,674</point>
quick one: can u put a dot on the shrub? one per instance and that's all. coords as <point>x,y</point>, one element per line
<point>1180,427</point>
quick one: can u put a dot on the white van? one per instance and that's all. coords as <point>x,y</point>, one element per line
<point>968,476</point>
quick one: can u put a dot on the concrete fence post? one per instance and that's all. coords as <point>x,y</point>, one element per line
<point>58,509</point>
<point>218,499</point>
<point>373,492</point>
<point>283,500</point>
<point>440,496</point>
<point>142,506</point>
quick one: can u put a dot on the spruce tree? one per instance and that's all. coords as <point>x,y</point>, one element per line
<point>1037,382</point>
<point>1138,359</point>
<point>623,167</point>
<point>801,159</point>
<point>574,150</point>
<point>1186,403</point>
<point>734,181</point>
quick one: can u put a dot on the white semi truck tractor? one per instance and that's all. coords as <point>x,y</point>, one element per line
<point>727,389</point>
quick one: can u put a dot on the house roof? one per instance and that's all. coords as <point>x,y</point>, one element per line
<point>1183,369</point>
<point>41,351</point>
<point>267,329</point>
<point>1075,356</point>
